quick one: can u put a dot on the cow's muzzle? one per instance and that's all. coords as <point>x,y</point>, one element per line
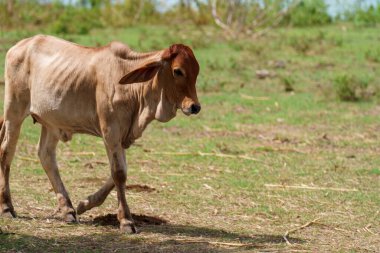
<point>192,109</point>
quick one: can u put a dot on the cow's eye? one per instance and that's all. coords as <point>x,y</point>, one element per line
<point>178,72</point>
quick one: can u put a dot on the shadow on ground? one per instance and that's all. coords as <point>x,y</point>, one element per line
<point>166,238</point>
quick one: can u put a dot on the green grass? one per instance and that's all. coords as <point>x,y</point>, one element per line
<point>305,138</point>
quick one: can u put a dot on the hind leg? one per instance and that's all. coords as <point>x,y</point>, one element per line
<point>8,137</point>
<point>46,152</point>
<point>16,108</point>
<point>97,198</point>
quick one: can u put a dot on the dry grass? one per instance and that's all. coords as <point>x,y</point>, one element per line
<point>214,216</point>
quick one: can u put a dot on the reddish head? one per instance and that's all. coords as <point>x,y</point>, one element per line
<point>177,72</point>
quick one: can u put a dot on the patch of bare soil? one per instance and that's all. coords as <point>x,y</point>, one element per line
<point>93,180</point>
<point>139,188</point>
<point>92,164</point>
<point>140,220</point>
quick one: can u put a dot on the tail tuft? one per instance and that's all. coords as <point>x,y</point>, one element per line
<point>1,122</point>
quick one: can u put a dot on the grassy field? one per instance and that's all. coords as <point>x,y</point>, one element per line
<point>286,155</point>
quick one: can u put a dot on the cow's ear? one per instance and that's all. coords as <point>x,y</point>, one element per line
<point>141,74</point>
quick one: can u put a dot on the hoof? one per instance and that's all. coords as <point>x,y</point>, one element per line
<point>70,218</point>
<point>8,212</point>
<point>81,208</point>
<point>128,227</point>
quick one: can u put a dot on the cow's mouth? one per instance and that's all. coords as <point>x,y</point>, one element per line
<point>186,111</point>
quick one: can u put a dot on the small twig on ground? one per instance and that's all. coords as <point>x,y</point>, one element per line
<point>287,233</point>
<point>254,98</point>
<point>84,153</point>
<point>207,154</point>
<point>217,243</point>
<point>306,187</point>
<point>335,228</point>
<point>367,228</point>
<point>28,159</point>
<point>288,150</point>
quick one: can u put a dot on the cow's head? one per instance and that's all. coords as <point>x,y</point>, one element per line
<point>177,71</point>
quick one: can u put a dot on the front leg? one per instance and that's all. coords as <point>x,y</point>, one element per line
<point>116,156</point>
<point>119,175</point>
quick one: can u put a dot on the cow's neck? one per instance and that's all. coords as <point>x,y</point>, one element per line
<point>151,96</point>
<point>149,103</point>
<point>143,102</point>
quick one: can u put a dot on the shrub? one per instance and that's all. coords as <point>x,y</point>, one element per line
<point>366,17</point>
<point>302,44</point>
<point>352,88</point>
<point>305,42</point>
<point>75,20</point>
<point>337,41</point>
<point>308,13</point>
<point>288,83</point>
<point>373,55</point>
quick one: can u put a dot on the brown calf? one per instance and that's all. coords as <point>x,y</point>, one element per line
<point>111,92</point>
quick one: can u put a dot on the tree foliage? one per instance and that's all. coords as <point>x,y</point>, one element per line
<point>362,16</point>
<point>76,17</point>
<point>234,17</point>
<point>308,13</point>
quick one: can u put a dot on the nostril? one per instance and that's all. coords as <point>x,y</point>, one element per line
<point>195,108</point>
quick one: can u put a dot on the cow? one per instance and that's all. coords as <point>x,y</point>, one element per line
<point>110,92</point>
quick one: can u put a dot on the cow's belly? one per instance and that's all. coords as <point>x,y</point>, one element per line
<point>66,113</point>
